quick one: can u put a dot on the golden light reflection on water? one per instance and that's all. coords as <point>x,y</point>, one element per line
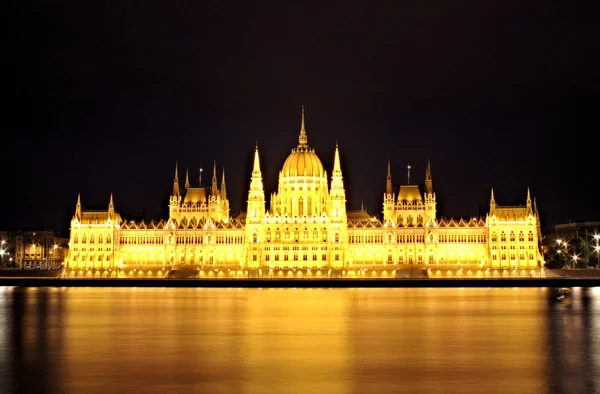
<point>141,340</point>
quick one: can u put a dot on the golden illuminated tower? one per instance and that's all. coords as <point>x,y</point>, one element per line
<point>175,200</point>
<point>388,197</point>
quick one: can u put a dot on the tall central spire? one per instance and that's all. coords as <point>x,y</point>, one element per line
<point>303,139</point>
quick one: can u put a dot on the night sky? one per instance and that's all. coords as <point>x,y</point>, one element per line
<point>105,97</point>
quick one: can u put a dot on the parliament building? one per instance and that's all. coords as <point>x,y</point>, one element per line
<point>306,232</point>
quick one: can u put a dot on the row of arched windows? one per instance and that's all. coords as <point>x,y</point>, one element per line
<point>512,236</point>
<point>92,239</point>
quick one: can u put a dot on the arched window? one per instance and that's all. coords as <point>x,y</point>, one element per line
<point>309,206</point>
<point>305,232</point>
<point>336,238</point>
<point>76,239</point>
<point>530,236</point>
<point>287,233</point>
<point>512,236</point>
<point>521,236</point>
<point>268,235</point>
<point>108,239</point>
<point>83,239</point>
<point>92,239</point>
<point>100,238</point>
<point>399,221</point>
<point>300,206</point>
<point>494,237</point>
<point>389,238</point>
<point>254,238</point>
<point>502,236</point>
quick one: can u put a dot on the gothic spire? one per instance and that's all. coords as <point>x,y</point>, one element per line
<point>223,187</point>
<point>337,168</point>
<point>303,138</point>
<point>111,205</point>
<point>388,183</point>
<point>256,168</point>
<point>214,190</point>
<point>187,178</point>
<point>428,181</point>
<point>176,182</point>
<point>78,205</point>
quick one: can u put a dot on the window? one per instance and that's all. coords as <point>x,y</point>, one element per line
<point>530,236</point>
<point>503,237</point>
<point>494,238</point>
<point>512,236</point>
<point>336,238</point>
<point>521,236</point>
<point>300,206</point>
<point>254,238</point>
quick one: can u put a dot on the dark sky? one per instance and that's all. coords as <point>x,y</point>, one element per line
<point>105,97</point>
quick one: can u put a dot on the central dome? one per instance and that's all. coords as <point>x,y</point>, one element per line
<point>303,161</point>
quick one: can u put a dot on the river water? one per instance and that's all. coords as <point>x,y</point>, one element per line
<point>201,340</point>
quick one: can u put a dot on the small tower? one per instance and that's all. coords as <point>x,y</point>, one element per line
<point>337,194</point>
<point>111,207</point>
<point>256,195</point>
<point>428,181</point>
<point>430,200</point>
<point>175,200</point>
<point>187,179</point>
<point>78,207</point>
<point>214,190</point>
<point>388,197</point>
<point>529,207</point>
<point>255,215</point>
<point>492,203</point>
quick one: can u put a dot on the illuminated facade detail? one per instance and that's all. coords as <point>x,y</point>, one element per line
<point>305,232</point>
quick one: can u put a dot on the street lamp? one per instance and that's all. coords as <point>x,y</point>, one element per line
<point>575,258</point>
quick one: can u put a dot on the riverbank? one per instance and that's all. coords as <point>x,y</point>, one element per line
<point>303,283</point>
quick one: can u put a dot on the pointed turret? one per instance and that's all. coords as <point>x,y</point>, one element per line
<point>337,168</point>
<point>337,194</point>
<point>176,182</point>
<point>303,138</point>
<point>388,182</point>
<point>187,179</point>
<point>78,206</point>
<point>175,200</point>
<point>256,166</point>
<point>428,181</point>
<point>214,190</point>
<point>223,187</point>
<point>529,209</point>
<point>111,206</point>
<point>492,202</point>
<point>256,195</point>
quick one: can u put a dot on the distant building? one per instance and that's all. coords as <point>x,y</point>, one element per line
<point>31,249</point>
<point>586,230</point>
<point>306,231</point>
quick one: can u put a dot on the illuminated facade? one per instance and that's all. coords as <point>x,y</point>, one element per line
<point>306,232</point>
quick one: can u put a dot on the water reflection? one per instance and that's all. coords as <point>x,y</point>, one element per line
<point>573,338</point>
<point>145,340</point>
